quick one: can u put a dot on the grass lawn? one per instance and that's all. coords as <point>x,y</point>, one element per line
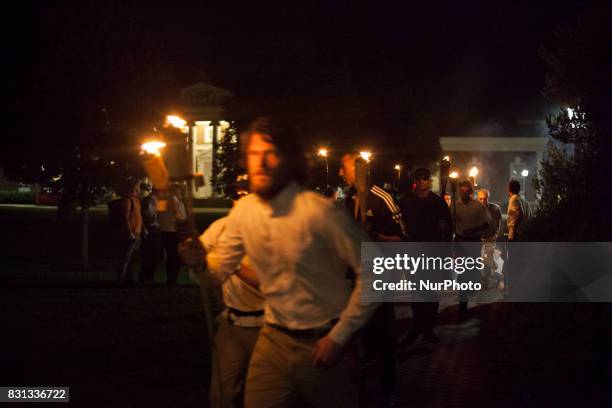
<point>35,245</point>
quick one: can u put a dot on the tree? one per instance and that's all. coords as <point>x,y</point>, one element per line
<point>573,189</point>
<point>226,166</point>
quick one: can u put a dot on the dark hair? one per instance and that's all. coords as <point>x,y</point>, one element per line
<point>128,185</point>
<point>286,139</point>
<point>468,184</point>
<point>422,172</point>
<point>514,186</point>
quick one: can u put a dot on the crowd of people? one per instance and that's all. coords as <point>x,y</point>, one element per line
<point>287,266</point>
<point>143,225</point>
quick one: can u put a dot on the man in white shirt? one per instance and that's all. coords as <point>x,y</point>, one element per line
<point>300,244</point>
<point>239,323</point>
<point>518,212</point>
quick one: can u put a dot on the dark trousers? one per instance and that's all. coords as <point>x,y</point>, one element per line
<point>151,251</point>
<point>425,315</point>
<point>379,339</point>
<point>170,243</point>
<point>126,270</point>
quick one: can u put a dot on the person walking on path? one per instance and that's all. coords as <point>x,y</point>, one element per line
<point>428,219</point>
<point>384,223</point>
<point>300,245</point>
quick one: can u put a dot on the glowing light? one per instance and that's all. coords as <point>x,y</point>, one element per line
<point>397,167</point>
<point>365,155</point>
<point>446,158</point>
<point>153,147</point>
<point>176,121</point>
<point>57,178</point>
<point>570,113</point>
<point>473,171</point>
<point>322,152</point>
<point>525,173</point>
<point>453,175</point>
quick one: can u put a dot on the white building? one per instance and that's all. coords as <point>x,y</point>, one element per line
<point>201,105</point>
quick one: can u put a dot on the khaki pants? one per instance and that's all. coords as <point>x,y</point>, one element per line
<point>281,374</point>
<point>234,347</point>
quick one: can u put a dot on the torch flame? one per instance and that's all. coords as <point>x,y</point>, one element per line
<point>176,121</point>
<point>453,175</point>
<point>323,152</point>
<point>365,155</point>
<point>153,147</point>
<point>473,171</point>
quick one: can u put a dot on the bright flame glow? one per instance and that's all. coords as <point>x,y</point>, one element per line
<point>446,158</point>
<point>398,167</point>
<point>525,173</point>
<point>570,113</point>
<point>474,171</point>
<point>153,147</point>
<point>365,155</point>
<point>176,121</point>
<point>453,175</point>
<point>322,152</point>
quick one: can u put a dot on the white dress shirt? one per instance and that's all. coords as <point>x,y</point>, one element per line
<point>237,294</point>
<point>300,244</point>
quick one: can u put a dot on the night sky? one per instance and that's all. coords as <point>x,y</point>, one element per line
<point>438,69</point>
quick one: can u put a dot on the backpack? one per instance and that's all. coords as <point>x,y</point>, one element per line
<point>115,211</point>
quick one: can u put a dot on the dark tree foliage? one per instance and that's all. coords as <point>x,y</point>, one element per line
<point>574,189</point>
<point>226,166</point>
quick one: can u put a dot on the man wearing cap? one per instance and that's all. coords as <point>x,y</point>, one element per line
<point>427,218</point>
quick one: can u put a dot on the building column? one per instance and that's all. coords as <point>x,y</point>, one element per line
<point>191,154</point>
<point>215,148</point>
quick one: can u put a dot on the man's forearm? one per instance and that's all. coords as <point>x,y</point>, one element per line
<point>353,317</point>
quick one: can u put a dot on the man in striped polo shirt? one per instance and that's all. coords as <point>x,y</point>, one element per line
<point>384,223</point>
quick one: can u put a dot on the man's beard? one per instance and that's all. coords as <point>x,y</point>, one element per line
<point>270,191</point>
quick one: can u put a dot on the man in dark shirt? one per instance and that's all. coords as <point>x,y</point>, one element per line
<point>384,223</point>
<point>494,211</point>
<point>426,215</point>
<point>151,242</point>
<point>427,219</point>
